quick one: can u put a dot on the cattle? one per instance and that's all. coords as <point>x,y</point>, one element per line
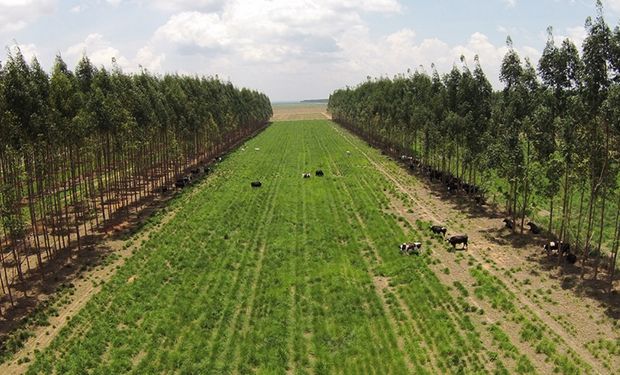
<point>456,240</point>
<point>480,201</point>
<point>183,182</point>
<point>509,223</point>
<point>319,173</point>
<point>256,184</point>
<point>435,174</point>
<point>533,227</point>
<point>410,248</point>
<point>349,153</point>
<point>196,171</point>
<point>453,185</point>
<point>555,248</point>
<point>306,175</point>
<point>571,258</point>
<point>438,229</point>
<point>208,170</point>
<point>256,149</point>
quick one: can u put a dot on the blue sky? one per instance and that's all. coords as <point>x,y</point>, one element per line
<point>290,49</point>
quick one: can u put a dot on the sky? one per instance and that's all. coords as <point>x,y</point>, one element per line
<point>291,49</point>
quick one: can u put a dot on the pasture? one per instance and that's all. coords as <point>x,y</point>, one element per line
<point>304,276</point>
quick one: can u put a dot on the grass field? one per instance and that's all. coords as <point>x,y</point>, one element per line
<point>301,276</point>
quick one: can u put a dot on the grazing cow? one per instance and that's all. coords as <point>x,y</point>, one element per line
<point>438,229</point>
<point>480,201</point>
<point>256,149</point>
<point>435,174</point>
<point>533,227</point>
<point>410,248</point>
<point>555,248</point>
<point>571,258</point>
<point>349,153</point>
<point>256,184</point>
<point>319,173</point>
<point>510,224</point>
<point>455,240</point>
<point>453,185</point>
<point>208,170</point>
<point>306,175</point>
<point>183,182</point>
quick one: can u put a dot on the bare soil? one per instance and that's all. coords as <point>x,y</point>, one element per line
<point>299,111</point>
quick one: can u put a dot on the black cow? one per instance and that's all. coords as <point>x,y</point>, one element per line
<point>480,201</point>
<point>571,258</point>
<point>453,185</point>
<point>438,229</point>
<point>183,182</point>
<point>196,171</point>
<point>533,227</point>
<point>208,170</point>
<point>555,248</point>
<point>306,175</point>
<point>510,224</point>
<point>256,184</point>
<point>455,240</point>
<point>319,173</point>
<point>410,248</point>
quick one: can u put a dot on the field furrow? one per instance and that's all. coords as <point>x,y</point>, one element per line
<point>300,276</point>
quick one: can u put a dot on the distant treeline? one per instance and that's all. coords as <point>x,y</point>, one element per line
<point>82,150</point>
<point>550,139</point>
<point>317,101</point>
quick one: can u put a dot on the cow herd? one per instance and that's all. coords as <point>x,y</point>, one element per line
<point>551,248</point>
<point>318,173</point>
<point>194,174</point>
<point>452,183</point>
<point>415,247</point>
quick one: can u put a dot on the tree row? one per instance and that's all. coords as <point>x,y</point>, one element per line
<point>547,146</point>
<point>82,150</point>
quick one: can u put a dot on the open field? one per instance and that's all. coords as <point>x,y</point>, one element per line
<point>304,276</point>
<point>299,111</point>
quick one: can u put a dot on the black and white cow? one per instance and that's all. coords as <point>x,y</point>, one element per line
<point>509,223</point>
<point>306,175</point>
<point>256,184</point>
<point>410,248</point>
<point>555,248</point>
<point>456,240</point>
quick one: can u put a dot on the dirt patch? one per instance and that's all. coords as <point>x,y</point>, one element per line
<point>299,112</point>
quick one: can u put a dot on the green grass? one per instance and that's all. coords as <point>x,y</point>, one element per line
<point>281,278</point>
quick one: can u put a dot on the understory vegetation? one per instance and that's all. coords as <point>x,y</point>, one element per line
<point>546,146</point>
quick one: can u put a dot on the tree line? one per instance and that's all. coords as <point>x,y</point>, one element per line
<point>82,150</point>
<point>550,139</point>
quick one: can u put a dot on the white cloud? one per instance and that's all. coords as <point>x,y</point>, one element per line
<point>510,3</point>
<point>101,52</point>
<point>613,5</point>
<point>29,51</point>
<point>269,31</point>
<point>17,14</point>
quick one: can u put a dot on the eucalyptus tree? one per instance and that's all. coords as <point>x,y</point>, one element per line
<point>82,148</point>
<point>597,80</point>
